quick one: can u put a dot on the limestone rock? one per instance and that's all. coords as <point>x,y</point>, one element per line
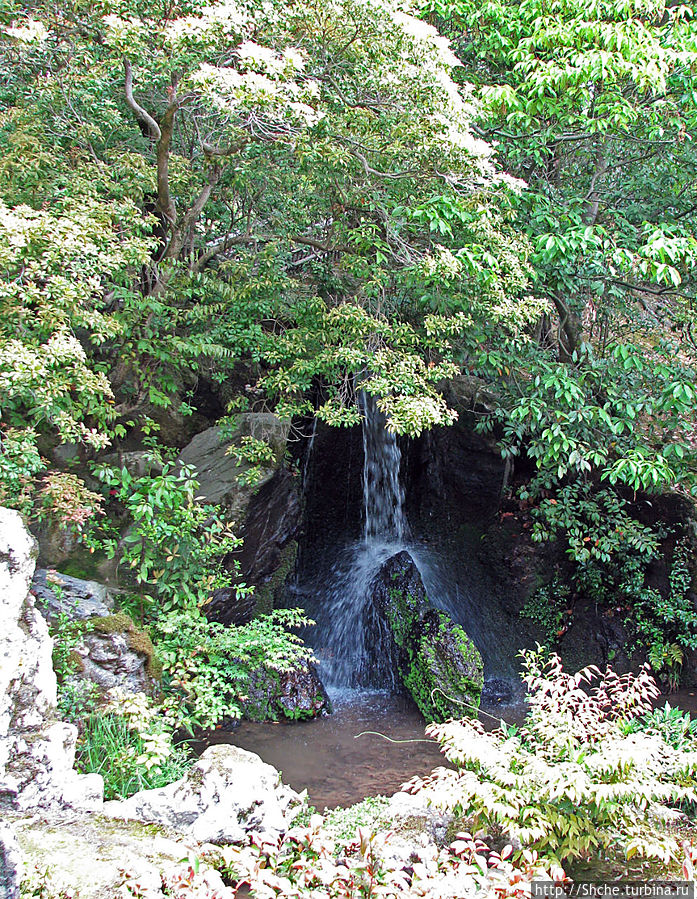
<point>416,828</point>
<point>94,857</point>
<point>36,752</point>
<point>226,794</point>
<point>109,661</point>
<point>59,594</point>
<point>113,652</point>
<point>436,660</point>
<point>11,867</point>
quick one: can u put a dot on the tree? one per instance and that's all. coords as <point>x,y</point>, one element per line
<point>309,181</point>
<point>593,105</point>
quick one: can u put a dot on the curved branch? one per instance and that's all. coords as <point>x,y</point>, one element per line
<point>144,117</point>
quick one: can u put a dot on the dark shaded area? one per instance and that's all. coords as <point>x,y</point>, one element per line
<point>267,555</point>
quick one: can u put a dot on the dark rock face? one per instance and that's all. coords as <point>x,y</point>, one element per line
<point>295,694</point>
<point>227,607</point>
<point>271,527</point>
<point>436,660</point>
<point>267,556</point>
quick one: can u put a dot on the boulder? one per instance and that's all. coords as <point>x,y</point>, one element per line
<point>271,524</point>
<point>295,694</point>
<point>227,794</point>
<point>266,511</point>
<point>36,751</point>
<point>436,660</point>
<point>108,649</point>
<point>98,857</point>
<point>11,867</point>
<point>113,652</point>
<point>221,479</point>
<point>59,594</point>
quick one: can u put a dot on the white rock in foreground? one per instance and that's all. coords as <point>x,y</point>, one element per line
<point>226,794</point>
<point>36,751</point>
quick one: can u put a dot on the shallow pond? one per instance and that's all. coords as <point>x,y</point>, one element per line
<point>372,744</point>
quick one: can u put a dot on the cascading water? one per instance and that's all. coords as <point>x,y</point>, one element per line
<point>383,494</point>
<point>349,639</point>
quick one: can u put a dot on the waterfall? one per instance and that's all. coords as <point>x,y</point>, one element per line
<point>348,636</point>
<point>308,455</point>
<point>383,495</point>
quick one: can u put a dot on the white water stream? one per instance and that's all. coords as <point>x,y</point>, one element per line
<point>349,639</point>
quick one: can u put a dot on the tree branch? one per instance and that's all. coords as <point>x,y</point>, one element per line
<point>144,117</point>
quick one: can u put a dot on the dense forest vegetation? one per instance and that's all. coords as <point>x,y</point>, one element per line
<point>278,201</point>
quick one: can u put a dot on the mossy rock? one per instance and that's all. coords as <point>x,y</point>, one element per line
<point>436,660</point>
<point>267,594</point>
<point>138,640</point>
<point>442,669</point>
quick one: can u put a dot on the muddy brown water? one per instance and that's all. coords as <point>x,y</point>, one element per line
<point>371,744</point>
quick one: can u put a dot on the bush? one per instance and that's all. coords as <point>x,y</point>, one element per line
<point>573,779</point>
<point>175,545</point>
<point>208,666</point>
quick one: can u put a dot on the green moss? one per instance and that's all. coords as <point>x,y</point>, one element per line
<point>268,593</point>
<point>342,823</point>
<point>138,640</point>
<point>443,684</point>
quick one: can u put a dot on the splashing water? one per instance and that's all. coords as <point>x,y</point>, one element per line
<point>350,640</point>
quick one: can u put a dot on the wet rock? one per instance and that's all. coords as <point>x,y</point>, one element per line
<point>294,694</point>
<point>436,660</point>
<point>11,867</point>
<point>227,794</point>
<point>271,525</point>
<point>36,752</point>
<point>227,606</point>
<point>59,594</point>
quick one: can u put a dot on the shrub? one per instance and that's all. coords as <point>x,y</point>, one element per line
<point>208,666</point>
<point>175,545</point>
<point>572,780</point>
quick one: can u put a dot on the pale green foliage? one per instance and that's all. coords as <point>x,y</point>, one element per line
<point>19,463</point>
<point>593,105</point>
<point>572,780</point>
<point>52,268</point>
<point>253,453</point>
<point>319,189</point>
